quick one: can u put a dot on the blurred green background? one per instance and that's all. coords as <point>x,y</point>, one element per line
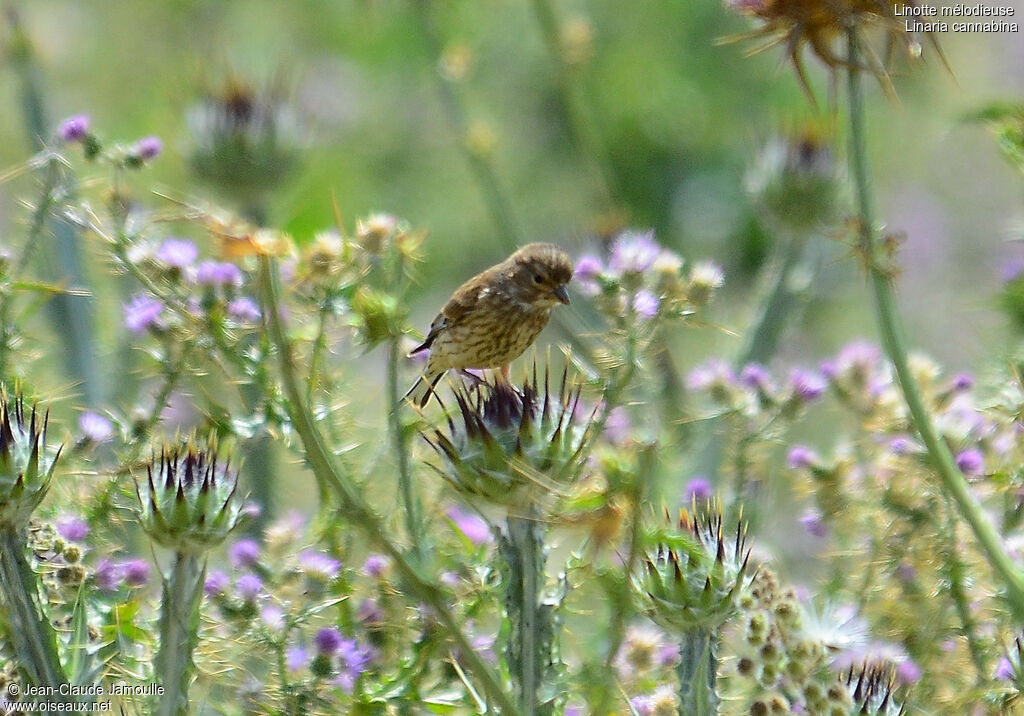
<point>672,115</point>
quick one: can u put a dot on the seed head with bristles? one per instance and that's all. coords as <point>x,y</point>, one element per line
<point>188,501</point>
<point>693,574</point>
<point>26,461</point>
<point>511,448</point>
<point>871,689</point>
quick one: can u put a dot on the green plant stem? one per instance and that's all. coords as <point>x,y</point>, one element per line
<point>581,121</point>
<point>359,513</point>
<point>530,640</point>
<point>956,572</point>
<point>891,329</point>
<point>400,445</point>
<point>698,672</point>
<point>179,633</point>
<point>499,207</point>
<point>32,636</point>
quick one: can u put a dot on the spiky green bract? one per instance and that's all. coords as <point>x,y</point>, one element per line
<point>871,689</point>
<point>692,573</point>
<point>510,448</point>
<point>188,502</point>
<point>26,462</point>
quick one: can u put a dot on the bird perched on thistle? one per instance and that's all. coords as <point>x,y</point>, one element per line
<point>493,317</point>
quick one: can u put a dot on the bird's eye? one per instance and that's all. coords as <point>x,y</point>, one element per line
<point>537,278</point>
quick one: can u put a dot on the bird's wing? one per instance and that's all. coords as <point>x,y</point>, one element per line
<point>461,302</point>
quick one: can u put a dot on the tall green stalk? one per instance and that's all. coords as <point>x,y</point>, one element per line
<point>400,446</point>
<point>531,629</point>
<point>32,635</point>
<point>179,630</point>
<point>346,492</point>
<point>697,671</point>
<point>894,341</point>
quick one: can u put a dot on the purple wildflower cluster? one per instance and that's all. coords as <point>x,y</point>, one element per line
<point>643,279</point>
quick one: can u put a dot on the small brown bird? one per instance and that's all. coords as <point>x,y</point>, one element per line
<point>493,317</point>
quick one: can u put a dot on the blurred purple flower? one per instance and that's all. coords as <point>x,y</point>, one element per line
<point>244,310</point>
<point>370,613</point>
<point>136,572</point>
<point>376,565</point>
<point>248,587</point>
<point>901,445</point>
<point>107,575</point>
<point>807,386</point>
<point>177,253</point>
<point>908,672</point>
<point>642,705</point>
<point>698,488</point>
<point>755,375</point>
<point>72,528</point>
<point>473,527</point>
<point>715,373</point>
<point>142,312</point>
<point>352,662</point>
<point>74,129</point>
<point>319,565</point>
<point>1004,670</point>
<point>218,273</point>
<point>244,553</point>
<point>801,457</point>
<point>962,382</point>
<point>588,268</point>
<point>812,522</point>
<point>971,462</point>
<point>633,252</point>
<point>273,617</point>
<point>296,658</point>
<point>148,148</point>
<point>645,303</point>
<point>217,583</point>
<point>328,640</point>
<point>95,427</point>
<point>617,426</point>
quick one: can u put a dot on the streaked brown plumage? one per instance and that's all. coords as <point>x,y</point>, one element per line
<point>494,316</point>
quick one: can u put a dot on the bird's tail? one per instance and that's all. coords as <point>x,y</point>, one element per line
<point>422,389</point>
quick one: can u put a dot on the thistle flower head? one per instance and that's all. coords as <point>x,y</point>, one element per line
<point>188,501</point>
<point>694,573</point>
<point>871,691</point>
<point>246,140</point>
<point>26,461</point>
<point>505,447</point>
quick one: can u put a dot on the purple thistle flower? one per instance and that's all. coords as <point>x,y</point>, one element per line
<point>218,273</point>
<point>142,312</point>
<point>376,565</point>
<point>645,303</point>
<point>248,587</point>
<point>328,641</point>
<point>901,445</point>
<point>588,268</point>
<point>473,527</point>
<point>95,427</point>
<point>136,572</point>
<point>962,382</point>
<point>107,575</point>
<point>244,310</point>
<point>971,462</point>
<point>642,705</point>
<point>177,253</point>
<point>319,566</point>
<point>698,489</point>
<point>352,662</point>
<point>74,129</point>
<point>617,426</point>
<point>801,457</point>
<point>1004,670</point>
<point>273,617</point>
<point>72,528</point>
<point>296,659</point>
<point>755,376</point>
<point>370,613</point>
<point>244,553</point>
<point>147,148</point>
<point>807,386</point>
<point>633,252</point>
<point>715,373</point>
<point>217,583</point>
<point>908,672</point>
<point>813,523</point>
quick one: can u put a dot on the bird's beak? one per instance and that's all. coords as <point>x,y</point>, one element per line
<point>561,294</point>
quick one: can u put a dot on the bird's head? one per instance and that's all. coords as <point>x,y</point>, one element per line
<point>542,272</point>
